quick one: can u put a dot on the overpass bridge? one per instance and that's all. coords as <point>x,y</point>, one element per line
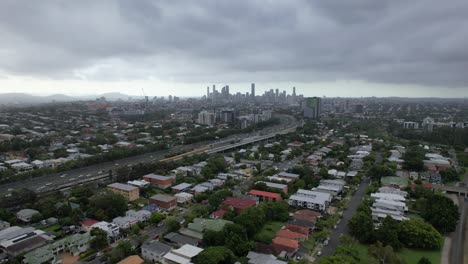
<point>462,191</point>
<point>248,141</point>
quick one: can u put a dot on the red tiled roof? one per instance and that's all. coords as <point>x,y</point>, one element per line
<point>219,213</point>
<point>290,243</point>
<point>310,213</point>
<point>239,203</point>
<point>298,229</point>
<point>89,222</point>
<point>290,234</point>
<point>265,194</point>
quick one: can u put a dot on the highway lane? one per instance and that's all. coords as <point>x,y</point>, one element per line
<point>48,182</point>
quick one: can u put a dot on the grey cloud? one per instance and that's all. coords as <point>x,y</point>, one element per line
<point>414,42</point>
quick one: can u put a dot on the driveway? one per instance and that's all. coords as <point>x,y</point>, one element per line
<point>350,211</point>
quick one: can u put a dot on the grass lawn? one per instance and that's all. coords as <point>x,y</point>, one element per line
<point>408,255</point>
<point>268,232</point>
<point>413,255</point>
<point>52,228</point>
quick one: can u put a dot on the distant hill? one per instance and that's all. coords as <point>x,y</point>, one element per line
<point>28,99</point>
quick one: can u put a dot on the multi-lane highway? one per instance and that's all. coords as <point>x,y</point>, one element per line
<point>94,172</point>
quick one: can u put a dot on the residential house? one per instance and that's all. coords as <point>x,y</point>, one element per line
<point>87,224</point>
<point>25,215</point>
<point>167,202</point>
<point>266,196</point>
<point>258,258</point>
<point>181,187</point>
<point>140,215</point>
<point>183,197</point>
<point>277,186</point>
<point>183,255</point>
<point>16,240</point>
<point>111,229</point>
<point>154,251</point>
<point>314,200</point>
<point>282,244</point>
<point>160,181</point>
<point>130,192</point>
<point>236,204</point>
<point>291,235</point>
<point>125,222</point>
<point>180,240</point>
<point>74,244</point>
<point>200,225</point>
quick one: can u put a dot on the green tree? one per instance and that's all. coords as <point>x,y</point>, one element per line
<point>388,233</point>
<point>36,218</point>
<point>213,238</point>
<point>252,219</point>
<point>215,255</point>
<point>418,234</point>
<point>156,218</point>
<point>441,213</point>
<point>383,254</point>
<point>107,205</point>
<point>172,224</point>
<point>424,260</point>
<point>236,239</point>
<point>99,240</point>
<point>361,227</point>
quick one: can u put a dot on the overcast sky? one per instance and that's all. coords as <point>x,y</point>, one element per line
<point>333,48</point>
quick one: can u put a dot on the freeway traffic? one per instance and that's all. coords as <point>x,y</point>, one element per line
<point>94,172</point>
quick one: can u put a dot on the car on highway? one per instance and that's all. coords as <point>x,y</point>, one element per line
<point>81,175</point>
<point>48,184</point>
<point>63,175</point>
<point>87,175</point>
<point>325,242</point>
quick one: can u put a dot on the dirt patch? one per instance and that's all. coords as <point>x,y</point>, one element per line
<point>69,259</point>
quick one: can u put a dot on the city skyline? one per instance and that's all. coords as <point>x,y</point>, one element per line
<point>343,49</point>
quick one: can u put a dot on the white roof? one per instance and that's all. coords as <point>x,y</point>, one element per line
<point>188,251</point>
<point>309,199</point>
<point>388,196</point>
<point>318,195</point>
<point>333,182</point>
<point>183,195</point>
<point>327,188</point>
<point>176,258</point>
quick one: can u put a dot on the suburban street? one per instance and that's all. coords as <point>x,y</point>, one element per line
<point>350,211</point>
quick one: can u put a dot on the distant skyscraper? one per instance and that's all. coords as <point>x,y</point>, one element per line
<point>312,107</point>
<point>207,92</point>
<point>252,88</point>
<point>294,91</point>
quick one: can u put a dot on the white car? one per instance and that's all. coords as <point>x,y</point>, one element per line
<point>319,253</point>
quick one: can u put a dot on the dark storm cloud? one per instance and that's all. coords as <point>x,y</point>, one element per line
<point>399,41</point>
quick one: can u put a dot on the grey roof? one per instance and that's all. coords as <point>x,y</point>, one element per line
<point>122,186</point>
<point>181,239</point>
<point>26,212</point>
<point>157,177</point>
<point>163,197</point>
<point>156,247</point>
<point>182,186</point>
<point>257,258</point>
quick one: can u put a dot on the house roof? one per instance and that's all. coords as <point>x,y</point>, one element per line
<point>219,213</point>
<point>122,186</point>
<point>290,234</point>
<point>156,247</point>
<point>163,197</point>
<point>265,194</point>
<point>239,203</point>
<point>182,186</point>
<point>298,229</point>
<point>89,222</point>
<point>157,177</point>
<point>290,243</point>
